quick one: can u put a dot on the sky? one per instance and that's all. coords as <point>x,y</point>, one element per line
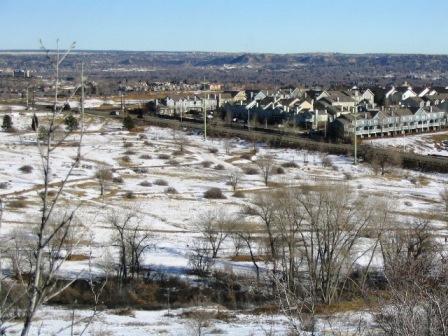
<point>274,26</point>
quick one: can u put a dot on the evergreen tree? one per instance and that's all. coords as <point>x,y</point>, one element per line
<point>34,122</point>
<point>7,122</point>
<point>71,122</point>
<point>128,123</point>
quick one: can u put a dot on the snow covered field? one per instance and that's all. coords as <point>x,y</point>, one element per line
<point>57,321</point>
<point>426,144</point>
<point>152,155</point>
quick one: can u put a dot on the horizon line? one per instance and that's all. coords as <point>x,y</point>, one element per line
<point>233,52</point>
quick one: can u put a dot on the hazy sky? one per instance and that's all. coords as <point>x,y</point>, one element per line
<point>280,26</point>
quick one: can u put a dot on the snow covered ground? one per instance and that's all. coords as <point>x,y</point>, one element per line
<point>426,144</point>
<point>57,321</point>
<point>171,217</point>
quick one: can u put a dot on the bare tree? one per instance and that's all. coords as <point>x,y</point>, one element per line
<point>264,207</point>
<point>234,179</point>
<point>200,258</point>
<point>180,139</point>
<point>416,273</point>
<point>444,197</point>
<point>246,233</point>
<point>227,146</point>
<point>104,175</point>
<point>266,165</point>
<point>382,160</point>
<point>215,226</point>
<point>139,241</point>
<point>52,232</point>
<point>132,241</point>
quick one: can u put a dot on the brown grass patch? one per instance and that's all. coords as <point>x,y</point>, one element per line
<point>247,258</point>
<point>18,204</point>
<point>342,307</point>
<point>77,257</point>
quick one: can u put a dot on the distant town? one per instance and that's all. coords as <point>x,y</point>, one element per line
<point>332,111</point>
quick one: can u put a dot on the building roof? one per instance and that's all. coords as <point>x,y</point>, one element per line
<point>339,96</point>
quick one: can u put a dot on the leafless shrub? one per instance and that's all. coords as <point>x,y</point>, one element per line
<point>129,152</point>
<point>146,184</point>
<point>161,182</point>
<point>206,164</point>
<point>348,176</point>
<point>326,161</point>
<point>163,156</point>
<point>142,136</point>
<point>145,157</point>
<point>289,164</point>
<point>250,170</point>
<point>140,170</point>
<point>214,193</point>
<point>199,322</point>
<point>213,150</point>
<point>4,185</point>
<point>279,170</point>
<point>129,195</point>
<point>118,180</point>
<point>26,169</point>
<point>128,144</point>
<point>219,167</point>
<point>171,190</point>
<point>126,159</point>
<point>382,160</point>
<point>173,162</point>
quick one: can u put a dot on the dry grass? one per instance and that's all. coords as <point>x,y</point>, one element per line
<point>18,204</point>
<point>77,257</point>
<point>247,258</point>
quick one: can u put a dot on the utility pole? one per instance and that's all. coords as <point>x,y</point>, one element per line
<point>122,103</point>
<point>355,139</point>
<point>27,101</point>
<point>82,110</point>
<point>205,120</point>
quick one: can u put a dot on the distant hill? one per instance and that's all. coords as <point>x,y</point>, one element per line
<point>314,68</point>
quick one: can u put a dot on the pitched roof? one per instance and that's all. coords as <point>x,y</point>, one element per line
<point>339,96</point>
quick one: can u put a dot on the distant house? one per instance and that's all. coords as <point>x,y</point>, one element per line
<point>173,106</point>
<point>395,95</point>
<point>391,121</point>
<point>256,95</point>
<point>413,102</point>
<point>313,119</point>
<point>232,97</point>
<point>338,99</point>
<point>366,95</point>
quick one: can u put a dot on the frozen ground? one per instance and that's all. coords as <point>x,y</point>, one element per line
<point>426,144</point>
<point>171,217</point>
<point>56,321</point>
